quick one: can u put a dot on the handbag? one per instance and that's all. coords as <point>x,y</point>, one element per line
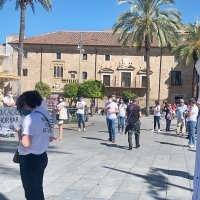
<point>16,157</point>
<point>63,113</point>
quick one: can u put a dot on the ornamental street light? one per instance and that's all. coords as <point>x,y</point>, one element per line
<point>81,51</point>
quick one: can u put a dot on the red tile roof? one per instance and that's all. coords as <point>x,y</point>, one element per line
<point>103,38</point>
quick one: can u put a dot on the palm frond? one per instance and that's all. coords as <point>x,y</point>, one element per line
<point>2,2</point>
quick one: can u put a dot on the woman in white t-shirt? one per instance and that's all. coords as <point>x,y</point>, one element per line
<point>121,116</point>
<point>157,115</point>
<point>34,137</point>
<point>60,105</point>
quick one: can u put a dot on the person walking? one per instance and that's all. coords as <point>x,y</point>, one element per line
<point>111,109</point>
<point>157,115</point>
<point>168,117</point>
<point>121,116</point>
<point>34,137</point>
<point>192,113</point>
<point>133,113</point>
<point>8,101</point>
<point>91,107</point>
<point>60,105</point>
<point>181,118</point>
<point>80,106</point>
<point>164,107</point>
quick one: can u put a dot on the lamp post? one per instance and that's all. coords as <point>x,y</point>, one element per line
<point>81,51</point>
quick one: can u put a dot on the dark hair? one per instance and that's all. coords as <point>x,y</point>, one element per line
<point>30,98</point>
<point>193,101</point>
<point>61,97</point>
<point>157,102</point>
<point>109,96</point>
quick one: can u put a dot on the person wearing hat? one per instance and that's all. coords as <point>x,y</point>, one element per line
<point>192,113</point>
<point>181,117</point>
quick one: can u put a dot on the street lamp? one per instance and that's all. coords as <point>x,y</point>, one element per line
<point>81,51</point>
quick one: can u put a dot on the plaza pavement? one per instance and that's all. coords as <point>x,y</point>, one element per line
<point>83,167</point>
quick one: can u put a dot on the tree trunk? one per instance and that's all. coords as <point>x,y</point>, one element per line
<point>21,35</point>
<point>147,49</point>
<point>194,81</point>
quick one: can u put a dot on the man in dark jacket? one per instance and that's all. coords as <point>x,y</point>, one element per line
<point>133,113</point>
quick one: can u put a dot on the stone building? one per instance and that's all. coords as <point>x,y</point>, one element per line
<point>54,59</point>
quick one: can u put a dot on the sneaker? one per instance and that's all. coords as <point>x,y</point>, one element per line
<point>130,148</point>
<point>5,136</point>
<point>84,130</point>
<point>138,146</point>
<point>152,130</point>
<point>12,135</point>
<point>113,141</point>
<point>121,133</point>
<point>79,129</point>
<point>118,132</point>
<point>108,140</point>
<point>158,130</point>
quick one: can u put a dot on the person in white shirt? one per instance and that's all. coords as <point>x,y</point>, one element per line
<point>121,116</point>
<point>8,101</point>
<point>192,114</point>
<point>60,105</point>
<point>80,106</point>
<point>157,115</point>
<point>34,137</point>
<point>111,109</point>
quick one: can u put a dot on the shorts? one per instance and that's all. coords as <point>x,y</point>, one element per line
<point>60,122</point>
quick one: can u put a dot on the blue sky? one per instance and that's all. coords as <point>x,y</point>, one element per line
<point>80,15</point>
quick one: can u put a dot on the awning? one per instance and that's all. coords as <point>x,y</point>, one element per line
<point>9,77</point>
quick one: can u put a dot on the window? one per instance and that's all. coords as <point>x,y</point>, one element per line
<point>107,57</point>
<point>25,72</point>
<point>25,55</point>
<point>144,80</point>
<point>145,58</point>
<point>176,78</point>
<point>106,80</point>
<point>126,79</point>
<point>58,72</point>
<point>72,75</point>
<point>84,75</point>
<point>58,55</point>
<point>84,56</point>
<point>176,59</point>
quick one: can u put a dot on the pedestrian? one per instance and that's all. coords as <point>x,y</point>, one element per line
<point>181,118</point>
<point>174,110</point>
<point>8,101</point>
<point>157,115</point>
<point>97,109</point>
<point>133,113</point>
<point>168,117</point>
<point>164,107</point>
<point>196,179</point>
<point>121,116</point>
<point>192,113</point>
<point>91,107</point>
<point>60,105</point>
<point>80,106</point>
<point>111,109</point>
<point>34,137</point>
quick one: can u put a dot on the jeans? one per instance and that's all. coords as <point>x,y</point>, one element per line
<point>191,132</point>
<point>136,130</point>
<point>32,170</point>
<point>121,123</point>
<point>81,117</point>
<point>111,128</point>
<point>168,123</point>
<point>156,120</point>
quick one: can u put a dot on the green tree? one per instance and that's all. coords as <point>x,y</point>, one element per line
<point>126,95</point>
<point>190,50</point>
<point>43,88</point>
<point>22,5</point>
<point>92,89</point>
<point>145,23</point>
<point>71,92</point>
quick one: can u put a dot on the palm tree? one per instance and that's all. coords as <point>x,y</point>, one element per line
<point>145,24</point>
<point>22,4</point>
<point>190,50</point>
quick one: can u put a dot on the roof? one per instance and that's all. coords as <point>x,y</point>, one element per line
<point>98,38</point>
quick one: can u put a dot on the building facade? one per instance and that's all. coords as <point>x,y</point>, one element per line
<point>54,59</point>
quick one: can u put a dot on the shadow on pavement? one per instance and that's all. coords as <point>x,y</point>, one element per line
<point>2,197</point>
<point>157,180</point>
<point>180,145</point>
<point>115,145</point>
<point>103,131</point>
<point>8,146</point>
<point>92,138</point>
